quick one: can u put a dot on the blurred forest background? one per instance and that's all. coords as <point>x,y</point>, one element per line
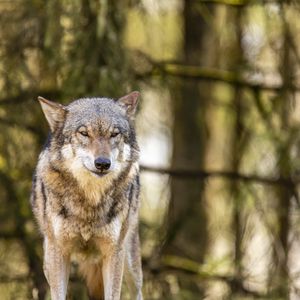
<point>218,125</point>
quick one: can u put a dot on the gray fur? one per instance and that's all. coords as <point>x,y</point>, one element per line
<point>84,213</point>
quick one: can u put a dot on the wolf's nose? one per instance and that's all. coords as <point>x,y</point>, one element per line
<point>102,163</point>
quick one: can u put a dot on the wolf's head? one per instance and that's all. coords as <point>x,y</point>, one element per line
<point>93,135</point>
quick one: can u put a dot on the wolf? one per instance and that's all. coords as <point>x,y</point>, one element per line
<point>85,196</point>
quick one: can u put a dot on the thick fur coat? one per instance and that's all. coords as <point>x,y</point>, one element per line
<point>85,195</point>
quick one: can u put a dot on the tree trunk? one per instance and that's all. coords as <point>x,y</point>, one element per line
<point>280,278</point>
<point>187,221</point>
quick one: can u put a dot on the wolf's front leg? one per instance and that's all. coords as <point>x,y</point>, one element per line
<point>112,270</point>
<point>56,269</point>
<point>133,266</point>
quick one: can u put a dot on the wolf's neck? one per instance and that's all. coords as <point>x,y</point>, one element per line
<point>94,188</point>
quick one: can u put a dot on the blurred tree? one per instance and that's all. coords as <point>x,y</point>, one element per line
<point>186,222</point>
<point>60,50</point>
<point>239,142</point>
<point>68,49</point>
<point>285,133</point>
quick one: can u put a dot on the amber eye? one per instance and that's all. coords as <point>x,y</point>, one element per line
<point>114,134</point>
<point>83,132</point>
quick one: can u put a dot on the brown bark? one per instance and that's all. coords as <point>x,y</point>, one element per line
<point>187,221</point>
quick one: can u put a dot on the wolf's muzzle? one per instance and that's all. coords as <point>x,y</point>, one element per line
<point>102,163</point>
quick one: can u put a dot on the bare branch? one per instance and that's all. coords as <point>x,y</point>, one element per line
<point>171,263</point>
<point>26,95</point>
<point>237,3</point>
<point>7,279</point>
<point>226,174</point>
<point>176,69</point>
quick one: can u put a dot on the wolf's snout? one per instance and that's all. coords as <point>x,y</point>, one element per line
<point>102,163</point>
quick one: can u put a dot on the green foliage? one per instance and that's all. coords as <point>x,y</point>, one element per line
<point>229,87</point>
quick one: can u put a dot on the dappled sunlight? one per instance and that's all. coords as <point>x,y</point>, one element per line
<point>218,127</point>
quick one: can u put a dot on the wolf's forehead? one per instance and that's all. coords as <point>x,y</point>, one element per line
<point>102,113</point>
<point>94,104</point>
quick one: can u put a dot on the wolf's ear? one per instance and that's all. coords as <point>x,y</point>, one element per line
<point>129,102</point>
<point>54,112</point>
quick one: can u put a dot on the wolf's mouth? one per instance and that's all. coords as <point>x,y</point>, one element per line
<point>100,174</point>
<point>97,173</point>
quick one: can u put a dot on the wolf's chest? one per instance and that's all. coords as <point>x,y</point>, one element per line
<point>88,223</point>
<point>86,238</point>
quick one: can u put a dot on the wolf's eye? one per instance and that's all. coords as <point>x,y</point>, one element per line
<point>82,130</point>
<point>84,133</point>
<point>114,134</point>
